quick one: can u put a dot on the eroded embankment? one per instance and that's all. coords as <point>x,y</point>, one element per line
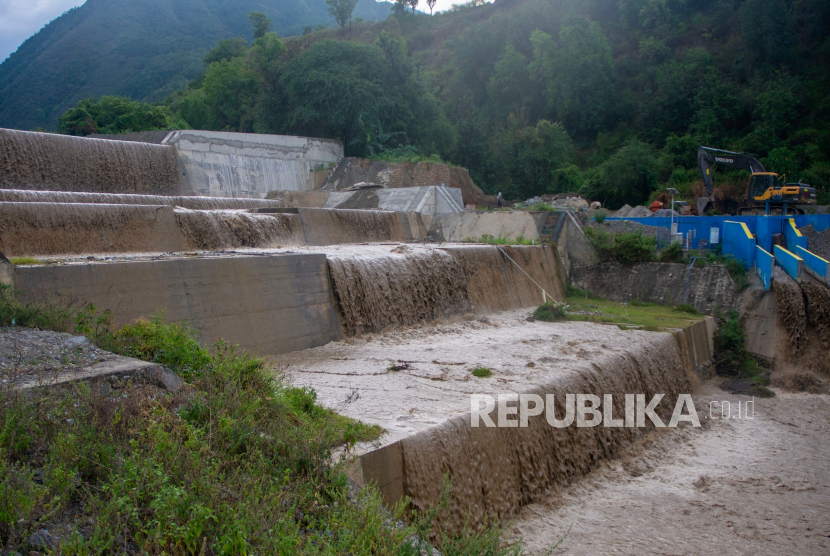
<point>222,229</point>
<point>377,291</point>
<point>188,202</point>
<point>495,471</point>
<point>30,160</point>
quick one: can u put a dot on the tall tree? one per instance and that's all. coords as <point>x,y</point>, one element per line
<point>341,10</point>
<point>431,4</point>
<point>413,4</point>
<point>260,22</point>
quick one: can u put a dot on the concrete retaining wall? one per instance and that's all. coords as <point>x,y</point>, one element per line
<point>474,225</point>
<point>664,283</point>
<point>268,305</point>
<point>793,236</point>
<point>248,164</point>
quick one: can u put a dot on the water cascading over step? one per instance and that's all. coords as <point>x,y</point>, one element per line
<point>188,202</point>
<point>223,229</point>
<point>378,291</point>
<point>30,160</point>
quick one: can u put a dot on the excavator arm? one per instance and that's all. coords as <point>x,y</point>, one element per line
<point>707,156</point>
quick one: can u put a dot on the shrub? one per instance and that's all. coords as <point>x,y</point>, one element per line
<point>600,215</point>
<point>627,248</point>
<point>672,254</point>
<point>46,316</point>
<point>482,372</point>
<point>550,312</point>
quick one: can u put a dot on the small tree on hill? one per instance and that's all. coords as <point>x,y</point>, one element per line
<point>260,22</point>
<point>431,4</point>
<point>413,3</point>
<point>341,10</point>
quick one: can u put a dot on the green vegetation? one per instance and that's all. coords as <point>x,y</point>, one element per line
<point>143,50</point>
<point>550,312</point>
<point>117,115</point>
<point>25,260</point>
<point>600,215</point>
<point>627,247</point>
<point>482,372</point>
<point>238,462</point>
<point>636,314</point>
<point>48,316</point>
<point>733,359</point>
<point>608,99</point>
<point>490,240</point>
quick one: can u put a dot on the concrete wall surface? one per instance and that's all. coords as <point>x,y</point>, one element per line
<point>473,225</point>
<point>249,164</point>
<point>664,283</point>
<point>269,305</point>
<point>429,200</point>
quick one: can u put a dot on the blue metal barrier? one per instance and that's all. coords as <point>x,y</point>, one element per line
<point>764,263</point>
<point>815,266</point>
<point>738,242</point>
<point>793,236</point>
<point>790,262</point>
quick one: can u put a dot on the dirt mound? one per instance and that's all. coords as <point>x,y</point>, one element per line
<point>350,171</point>
<point>817,242</point>
<point>817,305</point>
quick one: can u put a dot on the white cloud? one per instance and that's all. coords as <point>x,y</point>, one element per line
<point>20,19</point>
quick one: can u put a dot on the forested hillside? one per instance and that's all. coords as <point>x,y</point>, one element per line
<point>608,97</point>
<point>143,49</point>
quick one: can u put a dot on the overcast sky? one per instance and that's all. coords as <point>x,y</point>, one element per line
<point>20,19</point>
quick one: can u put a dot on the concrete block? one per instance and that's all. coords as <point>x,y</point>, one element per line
<point>268,305</point>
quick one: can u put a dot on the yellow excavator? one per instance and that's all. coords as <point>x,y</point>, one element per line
<point>766,192</point>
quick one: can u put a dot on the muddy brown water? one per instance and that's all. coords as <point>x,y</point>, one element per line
<point>30,160</point>
<point>188,202</point>
<point>222,229</point>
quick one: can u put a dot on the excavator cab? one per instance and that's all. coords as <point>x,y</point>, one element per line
<point>760,183</point>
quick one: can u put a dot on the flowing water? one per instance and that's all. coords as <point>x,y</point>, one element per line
<point>188,202</point>
<point>223,229</point>
<point>378,291</point>
<point>30,160</point>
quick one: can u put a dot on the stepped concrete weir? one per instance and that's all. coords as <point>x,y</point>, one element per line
<point>31,160</point>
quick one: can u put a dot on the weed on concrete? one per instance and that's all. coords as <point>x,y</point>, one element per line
<point>482,372</point>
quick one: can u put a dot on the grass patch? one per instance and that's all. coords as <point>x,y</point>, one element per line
<point>686,308</point>
<point>490,240</point>
<point>600,215</point>
<point>550,312</point>
<point>540,207</point>
<point>25,260</point>
<point>240,462</point>
<point>636,314</point>
<point>482,372</point>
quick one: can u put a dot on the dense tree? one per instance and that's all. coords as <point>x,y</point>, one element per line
<point>226,49</point>
<point>341,10</point>
<point>261,23</point>
<point>116,115</point>
<point>630,175</point>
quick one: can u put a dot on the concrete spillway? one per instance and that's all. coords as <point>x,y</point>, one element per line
<point>188,202</point>
<point>31,160</point>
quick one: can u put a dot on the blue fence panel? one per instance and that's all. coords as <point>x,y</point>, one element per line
<point>793,236</point>
<point>790,262</point>
<point>814,265</point>
<point>764,262</point>
<point>762,226</point>
<point>738,242</point>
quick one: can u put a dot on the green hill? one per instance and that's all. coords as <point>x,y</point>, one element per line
<point>143,49</point>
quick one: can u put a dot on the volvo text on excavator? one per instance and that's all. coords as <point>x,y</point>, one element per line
<point>765,193</point>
